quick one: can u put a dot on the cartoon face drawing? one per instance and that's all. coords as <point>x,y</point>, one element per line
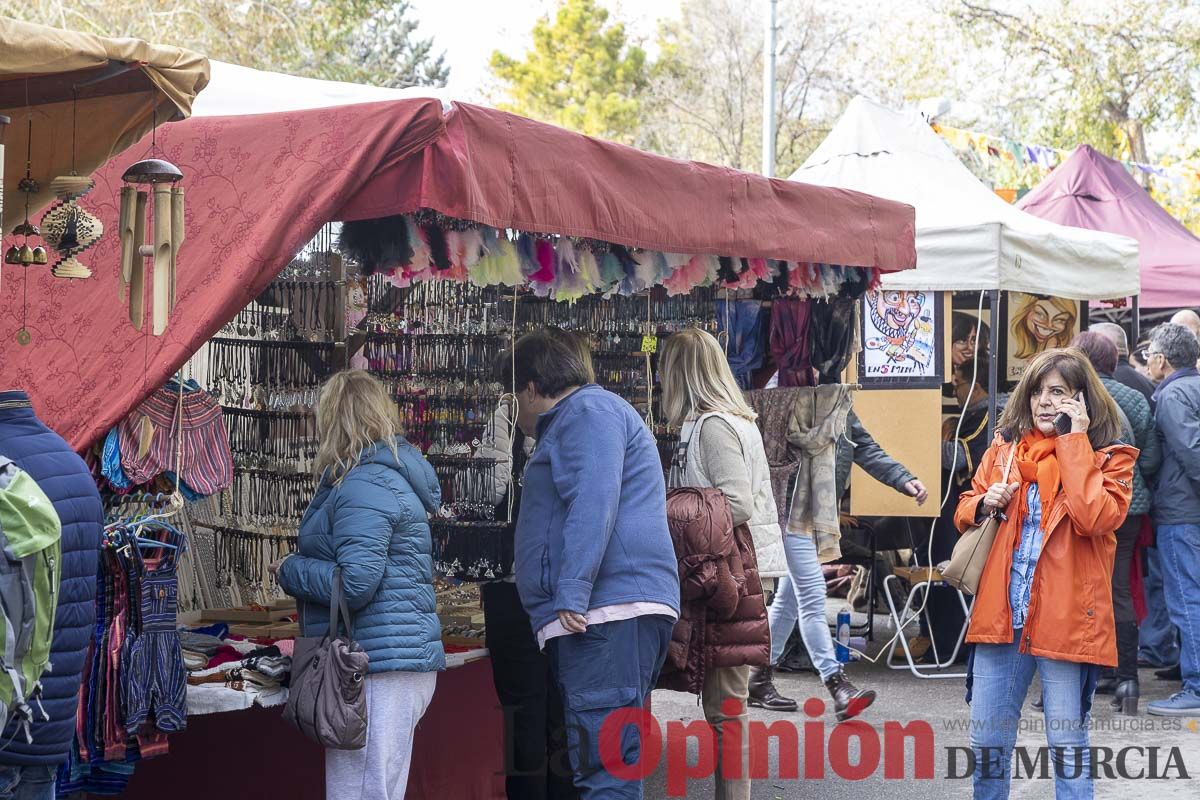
<point>894,312</point>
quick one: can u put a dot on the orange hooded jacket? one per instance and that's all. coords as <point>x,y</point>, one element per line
<point>1070,608</point>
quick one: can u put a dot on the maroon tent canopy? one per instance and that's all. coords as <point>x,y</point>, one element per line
<point>1092,191</point>
<point>259,187</point>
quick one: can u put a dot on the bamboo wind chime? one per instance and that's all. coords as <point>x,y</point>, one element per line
<point>165,198</point>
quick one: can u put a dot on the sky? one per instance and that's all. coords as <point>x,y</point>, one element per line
<point>469,30</point>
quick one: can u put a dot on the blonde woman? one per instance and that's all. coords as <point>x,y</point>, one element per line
<point>369,517</point>
<point>720,447</point>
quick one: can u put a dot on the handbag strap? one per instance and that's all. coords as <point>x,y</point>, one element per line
<point>339,612</point>
<point>1008,467</point>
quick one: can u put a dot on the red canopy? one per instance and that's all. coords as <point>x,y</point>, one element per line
<point>259,187</point>
<point>1092,191</point>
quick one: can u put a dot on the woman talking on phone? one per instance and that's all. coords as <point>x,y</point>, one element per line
<point>1062,482</point>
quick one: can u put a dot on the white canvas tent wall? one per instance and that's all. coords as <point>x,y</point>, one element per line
<point>968,238</point>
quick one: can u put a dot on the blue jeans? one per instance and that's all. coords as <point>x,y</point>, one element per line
<point>609,667</point>
<point>800,595</point>
<point>1001,678</point>
<point>1179,548</point>
<point>27,783</point>
<point>1158,641</point>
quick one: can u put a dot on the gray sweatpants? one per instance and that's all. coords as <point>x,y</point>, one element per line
<point>396,701</point>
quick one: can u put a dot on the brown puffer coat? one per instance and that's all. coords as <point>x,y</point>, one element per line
<point>723,615</point>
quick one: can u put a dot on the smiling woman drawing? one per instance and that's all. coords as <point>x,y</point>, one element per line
<point>1062,482</point>
<point>1042,323</point>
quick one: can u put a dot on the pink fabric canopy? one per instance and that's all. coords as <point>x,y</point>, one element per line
<point>259,187</point>
<point>1092,191</point>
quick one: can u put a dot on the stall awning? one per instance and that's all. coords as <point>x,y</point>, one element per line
<point>122,87</point>
<point>259,187</point>
<point>1092,191</point>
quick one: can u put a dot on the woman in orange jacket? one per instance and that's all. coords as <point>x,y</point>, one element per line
<point>1044,602</point>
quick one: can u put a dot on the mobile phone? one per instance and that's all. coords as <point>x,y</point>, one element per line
<point>1062,422</point>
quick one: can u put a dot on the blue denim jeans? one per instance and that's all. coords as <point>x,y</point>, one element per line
<point>609,667</point>
<point>1158,640</point>
<point>800,595</point>
<point>1179,548</point>
<point>27,783</point>
<point>1001,679</point>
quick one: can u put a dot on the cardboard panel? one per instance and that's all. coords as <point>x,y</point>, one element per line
<point>907,423</point>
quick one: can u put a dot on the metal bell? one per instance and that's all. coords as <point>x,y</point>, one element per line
<point>12,255</point>
<point>26,255</point>
<point>39,256</point>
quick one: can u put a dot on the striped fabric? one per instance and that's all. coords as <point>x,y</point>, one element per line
<point>206,464</point>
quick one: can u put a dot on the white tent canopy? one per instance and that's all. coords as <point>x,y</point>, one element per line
<point>967,237</point>
<point>234,90</point>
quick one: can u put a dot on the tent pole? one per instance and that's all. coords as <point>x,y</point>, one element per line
<point>1136,326</point>
<point>768,129</point>
<point>993,358</point>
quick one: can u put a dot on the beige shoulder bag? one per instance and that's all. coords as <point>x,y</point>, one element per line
<point>971,551</point>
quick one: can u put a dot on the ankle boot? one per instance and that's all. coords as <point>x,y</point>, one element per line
<point>848,700</point>
<point>1125,698</point>
<point>1107,683</point>
<point>763,693</point>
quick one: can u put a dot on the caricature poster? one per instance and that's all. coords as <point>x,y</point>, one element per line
<point>902,339</point>
<point>1036,323</point>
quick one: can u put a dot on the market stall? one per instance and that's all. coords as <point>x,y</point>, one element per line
<point>469,216</point>
<point>1089,190</point>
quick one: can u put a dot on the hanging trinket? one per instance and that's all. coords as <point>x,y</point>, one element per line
<point>68,228</point>
<point>166,222</point>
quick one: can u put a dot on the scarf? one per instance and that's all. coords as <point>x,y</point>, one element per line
<point>818,421</point>
<point>789,341</point>
<point>1036,462</point>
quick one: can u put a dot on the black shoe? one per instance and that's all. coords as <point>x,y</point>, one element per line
<point>848,700</point>
<point>1107,685</point>
<point>1125,698</point>
<point>1174,673</point>
<point>763,693</point>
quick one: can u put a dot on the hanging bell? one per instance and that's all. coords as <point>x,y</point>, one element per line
<point>25,256</point>
<point>12,255</point>
<point>39,256</point>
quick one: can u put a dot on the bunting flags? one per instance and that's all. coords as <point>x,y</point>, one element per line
<point>1046,158</point>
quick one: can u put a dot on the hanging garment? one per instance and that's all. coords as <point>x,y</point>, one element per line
<point>831,337</point>
<point>155,675</point>
<point>789,340</point>
<point>148,441</point>
<point>818,421</point>
<point>774,409</point>
<point>745,323</point>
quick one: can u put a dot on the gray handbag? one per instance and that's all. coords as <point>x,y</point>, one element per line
<point>327,701</point>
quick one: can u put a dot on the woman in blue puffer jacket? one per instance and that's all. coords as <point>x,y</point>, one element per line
<point>370,518</point>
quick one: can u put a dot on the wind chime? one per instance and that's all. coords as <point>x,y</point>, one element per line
<point>25,255</point>
<point>165,198</point>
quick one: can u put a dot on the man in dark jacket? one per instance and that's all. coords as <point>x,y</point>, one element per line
<point>27,771</point>
<point>1172,358</point>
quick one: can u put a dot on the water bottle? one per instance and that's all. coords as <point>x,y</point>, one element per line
<point>842,645</point>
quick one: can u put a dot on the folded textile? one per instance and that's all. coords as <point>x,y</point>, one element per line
<point>200,642</point>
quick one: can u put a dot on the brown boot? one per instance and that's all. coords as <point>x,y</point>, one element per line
<point>848,700</point>
<point>763,693</point>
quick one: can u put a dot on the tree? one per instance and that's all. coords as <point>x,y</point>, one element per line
<point>582,72</point>
<point>707,92</point>
<point>368,41</point>
<point>1110,69</point>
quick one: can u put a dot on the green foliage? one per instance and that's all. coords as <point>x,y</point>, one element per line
<point>582,72</point>
<point>367,41</point>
